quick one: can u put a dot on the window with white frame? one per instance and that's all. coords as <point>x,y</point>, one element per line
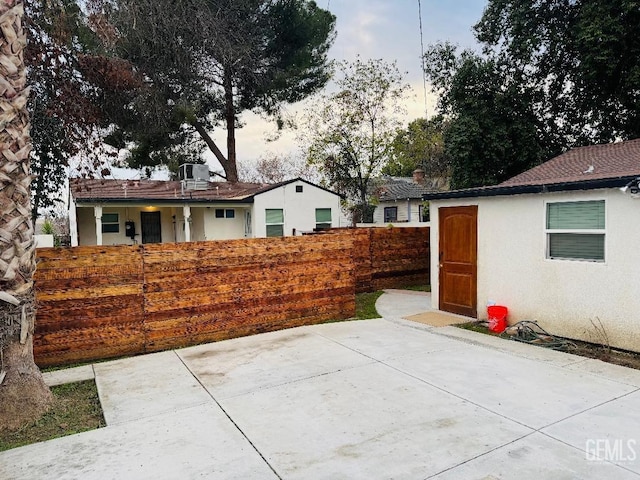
<point>323,218</point>
<point>275,222</point>
<point>110,223</point>
<point>576,230</point>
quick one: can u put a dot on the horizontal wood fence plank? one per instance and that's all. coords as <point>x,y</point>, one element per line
<point>103,302</point>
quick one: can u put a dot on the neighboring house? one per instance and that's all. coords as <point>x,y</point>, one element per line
<point>558,244</point>
<point>400,199</point>
<point>112,212</point>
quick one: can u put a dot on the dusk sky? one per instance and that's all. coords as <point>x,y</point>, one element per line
<point>387,29</point>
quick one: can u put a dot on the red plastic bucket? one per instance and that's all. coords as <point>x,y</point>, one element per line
<point>497,318</point>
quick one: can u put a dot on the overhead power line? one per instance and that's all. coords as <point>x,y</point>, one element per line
<point>424,75</point>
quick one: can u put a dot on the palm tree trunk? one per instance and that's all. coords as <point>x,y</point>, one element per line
<point>23,393</point>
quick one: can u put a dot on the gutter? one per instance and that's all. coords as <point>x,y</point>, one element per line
<point>498,190</point>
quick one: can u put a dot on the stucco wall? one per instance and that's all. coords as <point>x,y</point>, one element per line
<point>224,228</point>
<point>564,296</point>
<point>299,208</point>
<point>87,224</point>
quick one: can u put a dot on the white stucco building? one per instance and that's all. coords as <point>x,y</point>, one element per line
<point>113,212</point>
<point>558,244</point>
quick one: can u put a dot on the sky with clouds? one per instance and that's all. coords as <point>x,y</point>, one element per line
<point>387,29</point>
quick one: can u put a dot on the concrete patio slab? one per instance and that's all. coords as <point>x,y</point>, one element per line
<point>512,347</point>
<point>366,422</point>
<point>610,432</point>
<point>382,340</point>
<point>535,457</point>
<point>68,375</point>
<point>400,303</point>
<point>602,369</point>
<point>146,386</point>
<point>246,364</point>
<point>384,398</point>
<point>525,391</point>
<point>198,442</point>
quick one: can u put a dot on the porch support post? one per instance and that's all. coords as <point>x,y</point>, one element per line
<point>186,211</point>
<point>408,210</point>
<point>97,212</point>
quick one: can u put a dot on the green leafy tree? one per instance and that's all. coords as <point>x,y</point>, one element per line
<point>493,131</point>
<point>348,134</point>
<point>206,62</point>
<point>68,73</point>
<point>421,144</point>
<point>552,75</point>
<point>582,57</point>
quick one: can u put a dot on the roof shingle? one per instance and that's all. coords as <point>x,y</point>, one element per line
<point>595,162</point>
<point>131,190</point>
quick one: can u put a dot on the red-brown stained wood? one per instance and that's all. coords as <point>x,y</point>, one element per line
<point>101,302</point>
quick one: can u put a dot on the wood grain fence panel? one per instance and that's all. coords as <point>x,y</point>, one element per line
<point>101,302</point>
<point>89,304</point>
<point>265,284</point>
<point>390,257</point>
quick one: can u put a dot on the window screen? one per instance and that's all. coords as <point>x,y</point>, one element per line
<point>275,222</point>
<point>575,230</point>
<point>323,218</point>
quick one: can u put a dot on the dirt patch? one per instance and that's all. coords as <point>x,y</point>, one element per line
<point>575,347</point>
<point>619,357</point>
<point>76,408</point>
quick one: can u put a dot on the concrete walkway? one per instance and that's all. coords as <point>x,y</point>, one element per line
<point>374,399</point>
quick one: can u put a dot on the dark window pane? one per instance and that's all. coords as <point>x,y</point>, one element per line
<point>110,228</point>
<point>390,214</point>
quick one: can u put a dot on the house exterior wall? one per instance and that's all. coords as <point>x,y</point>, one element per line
<point>225,228</point>
<point>299,208</point>
<point>87,224</point>
<point>567,297</point>
<point>408,211</point>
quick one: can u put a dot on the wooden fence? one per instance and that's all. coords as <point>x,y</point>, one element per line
<point>104,302</point>
<point>390,257</point>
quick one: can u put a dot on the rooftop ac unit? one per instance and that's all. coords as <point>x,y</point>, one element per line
<point>194,176</point>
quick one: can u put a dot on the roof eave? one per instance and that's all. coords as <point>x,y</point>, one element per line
<point>505,190</point>
<point>164,201</point>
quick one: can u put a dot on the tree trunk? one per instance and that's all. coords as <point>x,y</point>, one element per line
<point>230,117</point>
<point>23,393</point>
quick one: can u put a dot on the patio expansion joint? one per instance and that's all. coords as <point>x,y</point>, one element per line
<point>421,380</point>
<point>603,460</point>
<point>491,450</point>
<point>635,390</point>
<point>534,430</point>
<point>233,422</point>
